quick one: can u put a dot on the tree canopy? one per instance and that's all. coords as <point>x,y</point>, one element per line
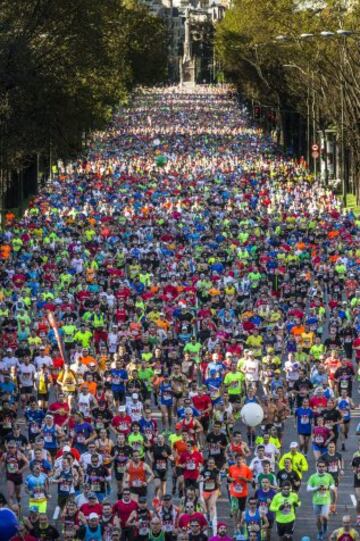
<point>64,65</point>
<point>260,49</point>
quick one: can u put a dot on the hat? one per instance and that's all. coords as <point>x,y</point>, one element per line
<point>8,349</point>
<point>92,496</point>
<point>67,448</point>
<point>122,408</point>
<point>33,509</point>
<point>135,396</point>
<point>294,445</point>
<point>142,499</point>
<point>188,410</point>
<point>222,524</point>
<point>93,515</point>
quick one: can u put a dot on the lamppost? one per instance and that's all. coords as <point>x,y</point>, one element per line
<point>343,34</point>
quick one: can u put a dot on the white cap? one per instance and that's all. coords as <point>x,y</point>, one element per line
<point>294,445</point>
<point>134,395</point>
<point>122,408</point>
<point>93,515</point>
<point>66,449</point>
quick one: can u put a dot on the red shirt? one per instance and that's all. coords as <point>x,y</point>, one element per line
<point>202,403</point>
<point>318,402</point>
<point>122,424</point>
<point>192,462</point>
<point>86,509</point>
<point>59,418</point>
<point>123,510</point>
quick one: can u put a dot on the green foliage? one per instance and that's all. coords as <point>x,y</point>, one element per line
<point>65,65</point>
<point>290,73</point>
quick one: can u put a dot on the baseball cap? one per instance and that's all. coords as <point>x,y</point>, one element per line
<point>93,515</point>
<point>122,408</point>
<point>294,445</point>
<point>134,395</point>
<point>92,496</point>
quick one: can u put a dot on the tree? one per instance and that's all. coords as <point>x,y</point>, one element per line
<point>287,73</point>
<point>64,66</point>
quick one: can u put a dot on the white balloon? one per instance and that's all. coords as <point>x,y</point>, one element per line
<point>252,414</point>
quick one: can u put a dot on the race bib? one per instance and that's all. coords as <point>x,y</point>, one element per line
<point>12,467</point>
<point>238,488</point>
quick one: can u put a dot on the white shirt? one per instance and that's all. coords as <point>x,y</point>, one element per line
<point>43,361</point>
<point>26,375</point>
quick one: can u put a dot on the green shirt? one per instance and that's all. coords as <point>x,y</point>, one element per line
<point>234,382</point>
<point>287,513</point>
<point>136,442</point>
<point>323,496</point>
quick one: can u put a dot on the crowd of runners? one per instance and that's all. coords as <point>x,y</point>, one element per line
<point>184,267</point>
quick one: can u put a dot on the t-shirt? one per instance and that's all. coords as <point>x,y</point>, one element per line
<point>45,534</point>
<point>321,497</point>
<point>123,510</point>
<point>233,382</point>
<point>26,375</point>
<point>239,488</point>
<point>304,417</point>
<point>287,513</point>
<point>332,462</point>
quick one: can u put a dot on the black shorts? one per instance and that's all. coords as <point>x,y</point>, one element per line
<point>43,396</point>
<point>160,474</point>
<point>192,483</point>
<point>285,529</point>
<point>119,396</point>
<point>336,478</point>
<point>139,491</point>
<point>27,390</point>
<point>205,422</point>
<point>15,478</point>
<point>234,398</point>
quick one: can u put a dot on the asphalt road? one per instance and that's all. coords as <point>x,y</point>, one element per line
<point>305,524</point>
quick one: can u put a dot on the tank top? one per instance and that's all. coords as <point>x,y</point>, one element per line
<point>69,525</point>
<point>345,408</point>
<point>188,427</point>
<point>93,536</point>
<point>167,516</point>
<point>12,464</point>
<point>105,450</point>
<point>253,523</point>
<point>84,404</point>
<point>136,474</point>
<point>49,433</point>
<point>157,537</point>
<point>143,520</point>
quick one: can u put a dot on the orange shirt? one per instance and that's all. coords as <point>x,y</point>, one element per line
<point>91,385</point>
<point>239,488</point>
<point>87,360</point>
<point>298,330</point>
<point>5,251</point>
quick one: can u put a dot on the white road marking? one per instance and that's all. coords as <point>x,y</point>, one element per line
<point>353,499</point>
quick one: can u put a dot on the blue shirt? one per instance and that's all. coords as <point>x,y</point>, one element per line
<point>304,417</point>
<point>116,375</point>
